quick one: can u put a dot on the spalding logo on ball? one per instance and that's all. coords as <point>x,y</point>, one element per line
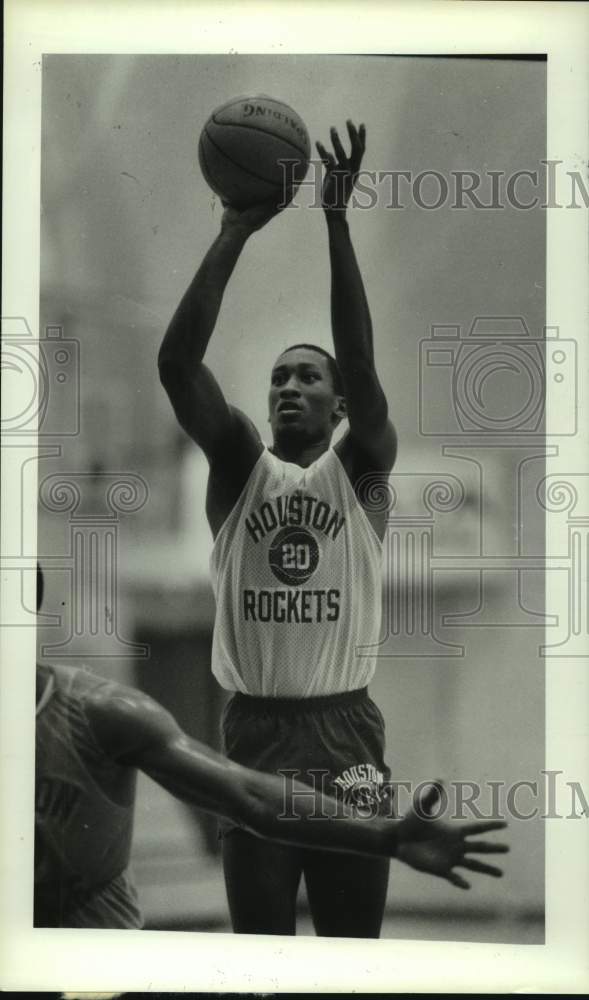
<point>254,149</point>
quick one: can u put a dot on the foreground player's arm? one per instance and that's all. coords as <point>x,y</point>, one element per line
<point>366,402</point>
<point>196,397</point>
<point>138,732</point>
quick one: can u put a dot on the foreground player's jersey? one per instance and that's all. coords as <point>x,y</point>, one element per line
<point>296,570</point>
<point>83,813</point>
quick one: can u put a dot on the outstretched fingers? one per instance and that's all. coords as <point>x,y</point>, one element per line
<point>327,158</point>
<point>478,866</point>
<point>338,148</point>
<point>484,847</point>
<point>338,161</point>
<point>358,141</point>
<point>483,827</point>
<point>457,880</point>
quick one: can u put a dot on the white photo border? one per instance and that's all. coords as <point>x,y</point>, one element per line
<point>168,961</point>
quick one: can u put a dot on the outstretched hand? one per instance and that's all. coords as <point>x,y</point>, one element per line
<point>438,847</point>
<point>341,170</point>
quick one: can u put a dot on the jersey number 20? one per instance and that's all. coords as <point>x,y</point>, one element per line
<point>295,556</point>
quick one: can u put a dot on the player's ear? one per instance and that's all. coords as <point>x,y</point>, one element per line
<point>340,410</point>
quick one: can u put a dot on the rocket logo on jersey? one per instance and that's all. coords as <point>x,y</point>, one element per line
<point>293,556</point>
<point>363,788</point>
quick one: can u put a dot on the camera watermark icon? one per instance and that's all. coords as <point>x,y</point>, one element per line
<point>565,498</point>
<point>477,529</point>
<point>41,381</point>
<point>440,538</point>
<point>41,403</point>
<point>492,380</point>
<point>413,503</point>
<point>94,503</point>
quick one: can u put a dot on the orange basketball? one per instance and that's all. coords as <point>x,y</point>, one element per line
<point>253,149</point>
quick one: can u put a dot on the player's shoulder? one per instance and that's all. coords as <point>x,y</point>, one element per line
<point>111,698</point>
<point>246,436</point>
<point>243,423</point>
<point>231,467</point>
<point>123,718</point>
<point>238,448</point>
<point>75,683</point>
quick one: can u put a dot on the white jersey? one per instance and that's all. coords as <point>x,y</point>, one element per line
<point>296,571</point>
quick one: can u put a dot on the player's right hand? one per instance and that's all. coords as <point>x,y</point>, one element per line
<point>252,218</point>
<point>436,846</point>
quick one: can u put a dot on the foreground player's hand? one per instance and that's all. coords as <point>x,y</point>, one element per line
<point>438,847</point>
<point>341,170</point>
<point>250,219</point>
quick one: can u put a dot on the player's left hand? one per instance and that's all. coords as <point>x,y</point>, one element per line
<point>438,847</point>
<point>341,170</point>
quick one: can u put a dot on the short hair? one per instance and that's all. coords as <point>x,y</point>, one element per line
<point>336,376</point>
<point>40,586</point>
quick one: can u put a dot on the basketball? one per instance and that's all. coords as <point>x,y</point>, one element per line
<point>293,555</point>
<point>254,149</point>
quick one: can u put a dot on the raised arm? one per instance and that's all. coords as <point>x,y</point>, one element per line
<point>136,731</point>
<point>367,408</point>
<point>196,397</point>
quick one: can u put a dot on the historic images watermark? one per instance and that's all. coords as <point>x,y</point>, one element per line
<point>549,796</point>
<point>482,396</point>
<point>548,185</point>
<point>466,402</point>
<point>41,412</point>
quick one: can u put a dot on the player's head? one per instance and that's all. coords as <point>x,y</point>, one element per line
<point>306,394</point>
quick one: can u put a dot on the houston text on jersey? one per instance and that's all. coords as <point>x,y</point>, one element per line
<point>296,510</point>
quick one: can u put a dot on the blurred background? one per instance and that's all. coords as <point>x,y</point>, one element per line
<point>126,219</point>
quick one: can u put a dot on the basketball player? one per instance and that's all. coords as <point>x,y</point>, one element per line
<point>92,734</point>
<point>296,565</point>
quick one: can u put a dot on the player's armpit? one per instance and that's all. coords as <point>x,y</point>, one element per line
<point>379,443</point>
<point>369,448</point>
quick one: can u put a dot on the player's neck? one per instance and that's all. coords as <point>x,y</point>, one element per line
<point>302,453</point>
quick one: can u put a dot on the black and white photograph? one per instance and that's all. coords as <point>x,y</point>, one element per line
<point>296,549</point>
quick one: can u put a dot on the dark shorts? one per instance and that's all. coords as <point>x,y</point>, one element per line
<point>335,743</point>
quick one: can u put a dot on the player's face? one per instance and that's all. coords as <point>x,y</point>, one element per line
<point>302,397</point>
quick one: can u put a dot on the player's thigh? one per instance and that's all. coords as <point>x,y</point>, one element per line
<point>262,880</point>
<point>346,893</point>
